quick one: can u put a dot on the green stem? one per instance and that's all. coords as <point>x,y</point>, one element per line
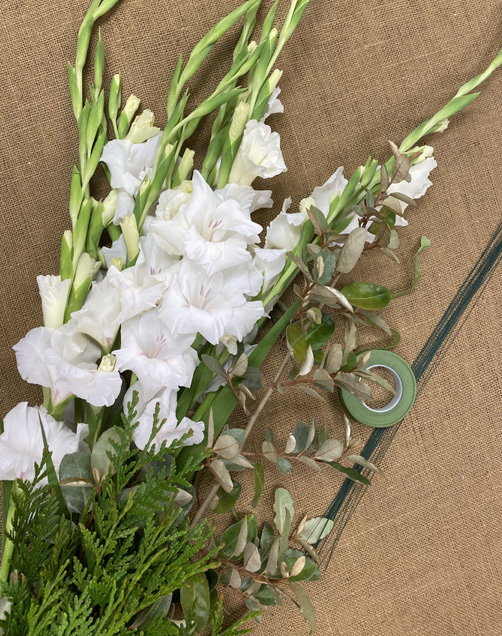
<point>8,548</point>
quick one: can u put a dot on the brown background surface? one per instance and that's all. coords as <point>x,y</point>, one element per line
<point>422,554</point>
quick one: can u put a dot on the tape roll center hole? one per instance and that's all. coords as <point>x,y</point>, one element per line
<point>383,401</point>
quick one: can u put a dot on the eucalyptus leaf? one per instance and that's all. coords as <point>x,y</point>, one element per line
<point>259,483</point>
<point>252,559</point>
<point>367,295</point>
<point>283,502</point>
<point>226,446</point>
<point>362,461</point>
<point>215,366</point>
<point>352,250</point>
<point>269,451</point>
<point>305,604</point>
<point>329,451</point>
<point>284,465</point>
<point>351,473</point>
<point>222,475</point>
<point>100,462</point>
<point>195,601</point>
<point>318,335</point>
<point>297,342</point>
<point>227,500</point>
<point>316,529</point>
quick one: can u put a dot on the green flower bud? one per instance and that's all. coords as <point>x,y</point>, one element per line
<point>131,236</point>
<point>66,260</point>
<point>239,121</point>
<point>80,230</point>
<point>85,272</point>
<point>115,98</point>
<point>127,115</point>
<point>99,64</point>
<point>76,195</point>
<point>185,167</point>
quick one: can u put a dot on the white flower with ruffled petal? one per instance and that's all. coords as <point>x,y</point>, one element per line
<point>129,163</point>
<point>274,105</point>
<point>285,230</point>
<point>124,208</point>
<point>212,232</point>
<point>171,429</point>
<point>210,305</point>
<point>54,293</point>
<point>334,186</point>
<point>22,445</point>
<point>259,155</point>
<point>65,362</point>
<point>158,358</point>
<point>117,298</point>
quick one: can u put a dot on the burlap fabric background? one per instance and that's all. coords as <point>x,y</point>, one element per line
<point>422,554</point>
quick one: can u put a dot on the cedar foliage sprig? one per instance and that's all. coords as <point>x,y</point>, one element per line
<point>97,572</point>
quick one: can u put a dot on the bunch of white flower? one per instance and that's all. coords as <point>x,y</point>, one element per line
<point>191,276</point>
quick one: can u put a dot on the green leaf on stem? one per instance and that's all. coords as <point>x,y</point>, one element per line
<point>367,295</point>
<point>259,483</point>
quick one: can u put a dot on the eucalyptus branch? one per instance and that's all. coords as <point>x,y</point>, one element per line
<point>252,421</point>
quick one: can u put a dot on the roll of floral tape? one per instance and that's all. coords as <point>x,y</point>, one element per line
<point>399,406</point>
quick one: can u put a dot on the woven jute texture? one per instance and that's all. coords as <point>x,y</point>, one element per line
<point>422,554</point>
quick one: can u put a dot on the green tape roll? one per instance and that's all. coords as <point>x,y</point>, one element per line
<point>400,404</point>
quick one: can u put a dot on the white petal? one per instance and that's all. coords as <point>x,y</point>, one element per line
<point>54,293</point>
<point>322,195</point>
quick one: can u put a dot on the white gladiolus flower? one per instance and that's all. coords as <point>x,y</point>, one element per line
<point>171,430</point>
<point>285,230</point>
<point>270,262</point>
<point>259,155</point>
<point>274,104</point>
<point>54,293</point>
<point>65,362</point>
<point>248,199</point>
<point>117,298</point>
<point>211,305</point>
<point>168,228</point>
<point>418,185</point>
<point>153,263</point>
<point>159,359</point>
<point>322,195</point>
<point>21,443</point>
<point>171,201</point>
<point>129,163</point>
<point>212,232</point>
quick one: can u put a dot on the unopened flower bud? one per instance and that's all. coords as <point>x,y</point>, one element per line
<point>66,265</point>
<point>131,106</point>
<point>109,207</point>
<point>131,236</point>
<point>115,98</point>
<point>239,121</point>
<point>86,268</point>
<point>142,128</point>
<point>252,47</point>
<point>186,164</point>
<point>107,363</point>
